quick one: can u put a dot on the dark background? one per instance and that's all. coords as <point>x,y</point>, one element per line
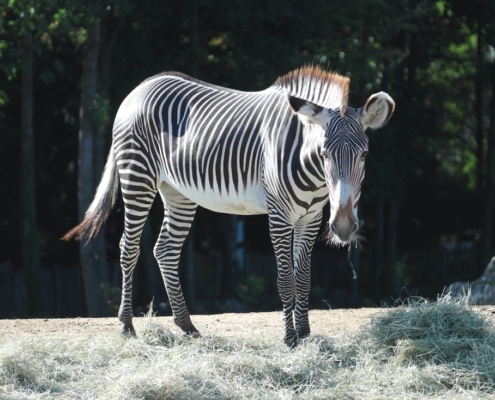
<point>427,201</point>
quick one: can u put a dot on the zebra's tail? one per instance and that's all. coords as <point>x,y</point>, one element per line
<point>102,204</point>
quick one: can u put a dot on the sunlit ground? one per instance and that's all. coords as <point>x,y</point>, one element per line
<point>440,349</point>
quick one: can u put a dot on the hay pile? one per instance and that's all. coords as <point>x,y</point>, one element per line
<point>421,349</point>
<point>447,334</point>
<point>447,331</point>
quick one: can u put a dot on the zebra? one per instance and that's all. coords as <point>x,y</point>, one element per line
<point>284,151</point>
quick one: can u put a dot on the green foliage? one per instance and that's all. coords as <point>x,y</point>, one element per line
<point>422,52</point>
<point>3,101</point>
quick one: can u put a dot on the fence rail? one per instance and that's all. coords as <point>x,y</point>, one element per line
<point>64,289</point>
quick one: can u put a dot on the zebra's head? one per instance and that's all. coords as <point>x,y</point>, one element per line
<point>342,150</point>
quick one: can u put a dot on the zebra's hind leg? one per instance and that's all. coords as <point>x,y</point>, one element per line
<point>137,205</point>
<point>305,232</point>
<point>179,214</point>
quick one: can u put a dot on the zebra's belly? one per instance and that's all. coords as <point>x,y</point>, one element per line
<point>250,207</point>
<point>248,202</point>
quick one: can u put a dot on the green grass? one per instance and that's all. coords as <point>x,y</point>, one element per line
<point>437,350</point>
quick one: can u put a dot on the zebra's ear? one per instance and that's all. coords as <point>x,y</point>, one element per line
<point>307,111</point>
<point>377,111</point>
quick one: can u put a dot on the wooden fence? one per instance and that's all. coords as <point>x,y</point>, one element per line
<point>331,273</point>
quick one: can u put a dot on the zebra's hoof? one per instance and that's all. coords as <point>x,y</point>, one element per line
<point>128,331</point>
<point>303,334</point>
<point>193,335</point>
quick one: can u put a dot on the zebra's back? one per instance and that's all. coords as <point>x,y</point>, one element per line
<point>206,141</point>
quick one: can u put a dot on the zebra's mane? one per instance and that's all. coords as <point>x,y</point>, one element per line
<point>327,89</point>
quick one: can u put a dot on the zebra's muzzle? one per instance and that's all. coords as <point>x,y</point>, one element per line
<point>343,223</point>
<point>344,231</point>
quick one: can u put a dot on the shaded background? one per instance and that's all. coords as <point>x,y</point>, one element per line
<point>428,197</point>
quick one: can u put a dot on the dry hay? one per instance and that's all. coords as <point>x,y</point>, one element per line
<point>421,349</point>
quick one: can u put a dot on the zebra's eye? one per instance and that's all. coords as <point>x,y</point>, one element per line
<point>324,154</point>
<point>363,155</point>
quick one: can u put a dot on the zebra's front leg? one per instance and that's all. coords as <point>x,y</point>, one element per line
<point>179,215</point>
<point>281,236</point>
<point>305,232</point>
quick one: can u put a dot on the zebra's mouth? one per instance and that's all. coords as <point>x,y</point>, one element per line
<point>333,240</point>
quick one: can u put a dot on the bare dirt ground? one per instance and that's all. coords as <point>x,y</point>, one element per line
<point>329,323</point>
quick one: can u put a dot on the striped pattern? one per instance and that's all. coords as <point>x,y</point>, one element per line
<point>284,151</point>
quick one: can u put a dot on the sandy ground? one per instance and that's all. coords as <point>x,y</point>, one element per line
<point>323,322</point>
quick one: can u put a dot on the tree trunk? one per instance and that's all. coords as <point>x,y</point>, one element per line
<point>480,165</point>
<point>29,237</point>
<point>194,39</point>
<point>392,234</point>
<point>229,259</point>
<point>378,242</point>
<point>239,247</point>
<point>90,259</point>
<point>102,128</point>
<point>490,185</point>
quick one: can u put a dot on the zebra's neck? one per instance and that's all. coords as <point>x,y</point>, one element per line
<point>311,161</point>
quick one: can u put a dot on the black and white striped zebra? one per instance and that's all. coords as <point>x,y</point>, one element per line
<point>285,151</point>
